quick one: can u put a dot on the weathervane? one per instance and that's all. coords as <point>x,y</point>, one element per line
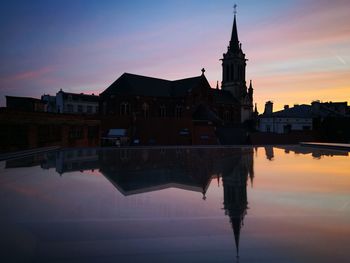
<point>235,9</point>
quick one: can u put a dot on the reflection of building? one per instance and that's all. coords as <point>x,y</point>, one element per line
<point>78,160</point>
<point>316,153</point>
<point>134,171</point>
<point>138,171</point>
<point>269,152</point>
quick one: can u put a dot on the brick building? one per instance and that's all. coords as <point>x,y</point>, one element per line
<point>20,130</point>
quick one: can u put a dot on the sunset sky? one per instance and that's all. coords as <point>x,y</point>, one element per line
<point>298,51</point>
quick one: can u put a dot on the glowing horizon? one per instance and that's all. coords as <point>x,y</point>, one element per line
<point>298,51</point>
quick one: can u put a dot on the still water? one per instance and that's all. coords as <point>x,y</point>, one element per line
<point>266,204</point>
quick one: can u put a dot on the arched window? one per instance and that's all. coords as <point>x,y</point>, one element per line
<point>162,111</point>
<point>124,108</point>
<point>145,110</point>
<point>227,115</point>
<point>231,72</point>
<point>178,111</point>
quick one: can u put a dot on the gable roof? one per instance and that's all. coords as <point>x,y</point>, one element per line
<point>131,84</point>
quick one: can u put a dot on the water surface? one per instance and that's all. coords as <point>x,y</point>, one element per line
<point>267,204</point>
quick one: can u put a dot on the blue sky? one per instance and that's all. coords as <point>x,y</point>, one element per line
<point>294,47</point>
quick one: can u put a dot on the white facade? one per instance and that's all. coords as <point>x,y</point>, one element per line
<point>284,125</point>
<point>76,103</point>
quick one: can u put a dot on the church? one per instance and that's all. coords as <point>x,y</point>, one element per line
<point>153,111</point>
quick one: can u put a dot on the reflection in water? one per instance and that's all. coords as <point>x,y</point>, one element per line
<point>134,172</point>
<point>316,153</point>
<point>269,153</point>
<point>118,206</point>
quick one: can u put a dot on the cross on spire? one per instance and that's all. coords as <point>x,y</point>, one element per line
<point>235,9</point>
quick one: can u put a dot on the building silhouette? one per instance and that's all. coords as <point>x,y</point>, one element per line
<point>133,172</point>
<point>157,111</point>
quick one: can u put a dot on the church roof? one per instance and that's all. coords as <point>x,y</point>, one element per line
<point>131,84</point>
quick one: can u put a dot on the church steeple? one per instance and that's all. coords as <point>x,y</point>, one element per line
<point>233,65</point>
<point>234,42</point>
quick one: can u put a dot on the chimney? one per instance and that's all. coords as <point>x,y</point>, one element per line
<point>286,107</point>
<point>268,108</point>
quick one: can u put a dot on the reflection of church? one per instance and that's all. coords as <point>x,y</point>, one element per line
<point>134,171</point>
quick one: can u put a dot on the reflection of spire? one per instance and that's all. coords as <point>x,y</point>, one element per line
<point>204,197</point>
<point>235,200</point>
<point>251,177</point>
<point>269,153</point>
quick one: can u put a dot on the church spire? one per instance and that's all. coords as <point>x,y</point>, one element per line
<point>234,42</point>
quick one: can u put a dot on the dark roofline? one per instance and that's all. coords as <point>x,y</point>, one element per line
<point>142,76</point>
<point>134,84</point>
<point>76,94</point>
<point>24,98</point>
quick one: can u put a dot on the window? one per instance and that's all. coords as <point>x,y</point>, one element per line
<point>104,107</point>
<point>287,128</point>
<point>89,109</point>
<point>70,108</point>
<point>227,116</point>
<point>124,108</point>
<point>80,108</point>
<point>145,110</point>
<point>76,132</point>
<point>70,98</point>
<point>162,111</point>
<point>93,132</point>
<point>268,128</point>
<point>178,111</point>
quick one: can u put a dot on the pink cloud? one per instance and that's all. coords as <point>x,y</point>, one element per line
<point>28,75</point>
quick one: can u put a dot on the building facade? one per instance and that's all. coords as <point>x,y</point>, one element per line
<point>71,103</point>
<point>300,117</point>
